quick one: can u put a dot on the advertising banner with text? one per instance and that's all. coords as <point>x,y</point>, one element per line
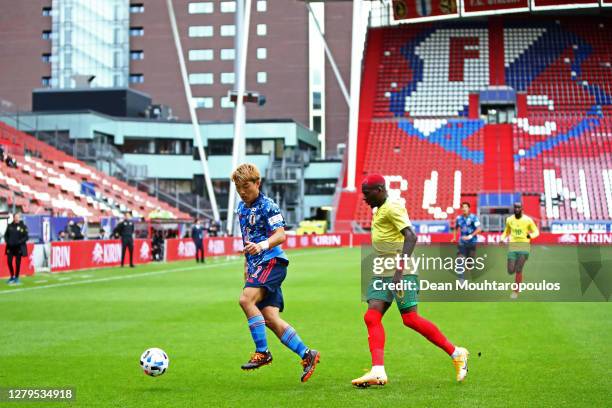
<point>75,255</point>
<point>494,6</point>
<point>563,4</point>
<point>424,10</point>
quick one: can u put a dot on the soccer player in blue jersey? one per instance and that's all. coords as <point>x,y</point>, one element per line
<point>468,226</point>
<point>263,231</point>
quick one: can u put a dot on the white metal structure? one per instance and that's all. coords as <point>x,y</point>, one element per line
<point>192,112</point>
<point>243,19</point>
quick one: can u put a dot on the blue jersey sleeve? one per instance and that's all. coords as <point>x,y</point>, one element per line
<point>273,218</point>
<point>476,222</point>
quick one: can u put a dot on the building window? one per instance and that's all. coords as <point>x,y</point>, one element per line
<point>262,29</point>
<point>262,5</point>
<point>46,35</point>
<point>201,31</point>
<point>201,55</point>
<point>136,78</point>
<point>204,78</point>
<point>227,78</point>
<point>137,8</point>
<point>220,147</point>
<point>316,124</point>
<point>262,53</point>
<point>203,102</point>
<point>316,100</point>
<point>320,186</point>
<point>45,81</point>
<point>46,58</point>
<point>136,31</point>
<point>228,6</point>
<point>262,77</point>
<point>228,30</point>
<point>228,54</point>
<point>46,11</point>
<point>137,55</point>
<point>201,8</point>
<point>226,102</point>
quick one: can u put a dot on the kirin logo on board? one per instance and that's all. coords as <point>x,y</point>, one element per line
<point>567,239</point>
<point>186,249</point>
<point>215,247</point>
<point>145,251</point>
<point>60,256</point>
<point>326,240</point>
<point>106,253</point>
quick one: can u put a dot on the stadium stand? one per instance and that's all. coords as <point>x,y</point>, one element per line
<point>421,125</point>
<point>48,181</point>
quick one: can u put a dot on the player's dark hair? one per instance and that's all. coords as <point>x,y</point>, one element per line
<point>466,203</point>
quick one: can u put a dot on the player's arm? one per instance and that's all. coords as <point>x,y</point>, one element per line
<point>533,230</point>
<point>455,231</point>
<point>277,238</point>
<point>478,229</point>
<point>507,230</point>
<point>410,240</point>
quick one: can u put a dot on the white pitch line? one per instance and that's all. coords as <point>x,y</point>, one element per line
<point>113,278</point>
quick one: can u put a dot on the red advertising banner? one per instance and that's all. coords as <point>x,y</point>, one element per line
<point>183,249</point>
<point>606,3</point>
<point>563,4</point>
<point>545,238</point>
<point>492,6</point>
<point>75,255</point>
<point>422,10</point>
<point>27,263</point>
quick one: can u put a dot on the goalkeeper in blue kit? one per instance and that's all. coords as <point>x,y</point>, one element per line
<point>263,231</point>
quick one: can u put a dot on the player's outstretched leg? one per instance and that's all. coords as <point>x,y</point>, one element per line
<point>289,337</point>
<point>429,330</point>
<point>257,326</point>
<point>376,341</point>
<point>518,274</point>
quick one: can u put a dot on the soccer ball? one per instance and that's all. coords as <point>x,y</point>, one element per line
<point>154,362</point>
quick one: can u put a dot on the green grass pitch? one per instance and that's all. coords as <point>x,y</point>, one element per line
<point>89,329</point>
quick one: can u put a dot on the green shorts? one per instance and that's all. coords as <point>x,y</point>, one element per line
<point>378,291</point>
<point>513,255</point>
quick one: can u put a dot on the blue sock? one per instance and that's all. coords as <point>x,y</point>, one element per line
<point>257,325</point>
<point>291,339</point>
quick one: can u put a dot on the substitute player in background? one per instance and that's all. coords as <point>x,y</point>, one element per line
<point>468,227</point>
<point>392,230</point>
<point>263,231</point>
<point>521,230</point>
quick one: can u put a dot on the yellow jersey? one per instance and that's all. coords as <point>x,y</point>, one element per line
<point>518,228</point>
<point>388,221</point>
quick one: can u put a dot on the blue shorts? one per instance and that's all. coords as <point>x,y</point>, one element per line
<point>465,249</point>
<point>269,275</point>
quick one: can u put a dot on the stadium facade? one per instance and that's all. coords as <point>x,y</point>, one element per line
<point>129,43</point>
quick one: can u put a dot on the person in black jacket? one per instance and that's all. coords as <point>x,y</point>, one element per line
<point>16,237</point>
<point>197,235</point>
<point>125,231</point>
<point>158,246</point>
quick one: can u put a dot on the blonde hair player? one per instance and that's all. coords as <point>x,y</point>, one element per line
<point>263,231</point>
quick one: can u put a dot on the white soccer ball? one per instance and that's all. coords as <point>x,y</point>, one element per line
<point>154,362</point>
